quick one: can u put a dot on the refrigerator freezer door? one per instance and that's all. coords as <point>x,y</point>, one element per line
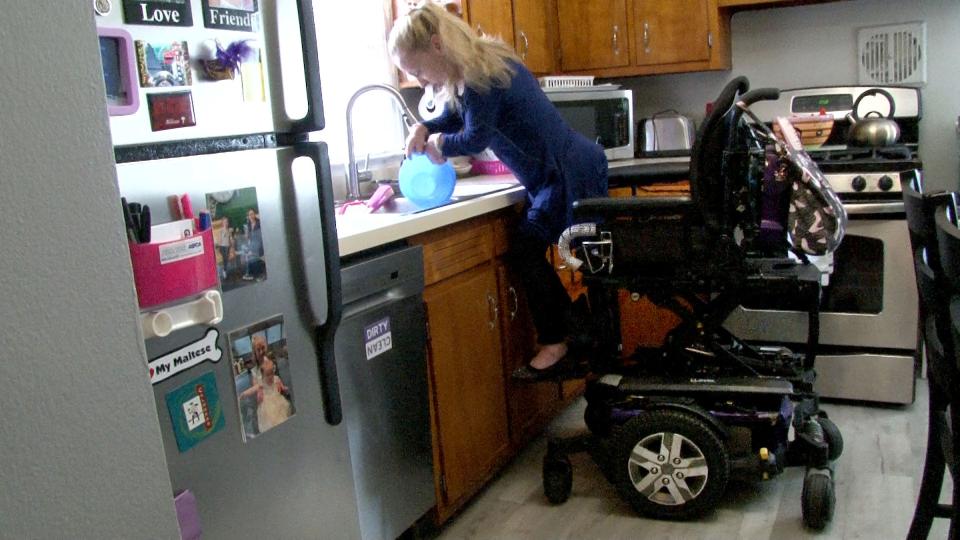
<point>294,479</point>
<point>277,92</point>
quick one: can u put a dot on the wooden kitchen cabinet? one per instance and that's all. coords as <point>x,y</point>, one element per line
<point>468,395</point>
<point>530,406</point>
<point>529,25</point>
<point>670,32</point>
<point>470,423</point>
<point>491,17</point>
<point>593,35</point>
<point>480,330</point>
<point>534,28</point>
<point>622,38</point>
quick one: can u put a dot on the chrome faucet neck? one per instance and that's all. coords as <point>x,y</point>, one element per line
<point>409,120</point>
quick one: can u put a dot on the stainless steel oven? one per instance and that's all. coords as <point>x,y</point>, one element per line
<point>868,320</point>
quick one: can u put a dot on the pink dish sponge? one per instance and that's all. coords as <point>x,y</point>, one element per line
<point>383,194</point>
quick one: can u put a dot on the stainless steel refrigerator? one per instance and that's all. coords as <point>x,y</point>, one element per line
<point>238,282</point>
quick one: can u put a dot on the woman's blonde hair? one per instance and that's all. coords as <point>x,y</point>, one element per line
<point>484,61</point>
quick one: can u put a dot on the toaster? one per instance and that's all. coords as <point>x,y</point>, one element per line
<point>666,135</point>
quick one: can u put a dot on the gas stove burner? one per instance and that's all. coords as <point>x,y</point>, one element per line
<point>865,154</point>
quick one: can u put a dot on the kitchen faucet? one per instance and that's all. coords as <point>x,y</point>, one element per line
<point>409,120</point>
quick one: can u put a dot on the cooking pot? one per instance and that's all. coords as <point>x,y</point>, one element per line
<point>877,131</point>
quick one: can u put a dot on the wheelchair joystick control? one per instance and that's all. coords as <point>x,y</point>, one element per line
<point>859,183</point>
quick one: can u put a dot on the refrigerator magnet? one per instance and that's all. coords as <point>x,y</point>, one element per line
<point>164,64</point>
<point>167,365</point>
<point>118,61</point>
<point>262,376</point>
<point>195,411</point>
<point>240,15</point>
<point>171,110</point>
<point>158,12</point>
<point>237,234</point>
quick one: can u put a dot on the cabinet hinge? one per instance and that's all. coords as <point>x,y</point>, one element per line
<point>710,40</point>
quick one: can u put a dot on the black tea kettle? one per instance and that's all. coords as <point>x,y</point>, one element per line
<point>872,131</point>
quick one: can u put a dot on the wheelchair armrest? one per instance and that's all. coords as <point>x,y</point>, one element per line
<point>630,206</point>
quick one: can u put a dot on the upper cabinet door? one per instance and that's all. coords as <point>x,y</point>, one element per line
<point>670,31</point>
<point>493,18</point>
<point>533,35</point>
<point>593,34</point>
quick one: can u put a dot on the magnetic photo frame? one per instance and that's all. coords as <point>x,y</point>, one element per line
<point>119,71</point>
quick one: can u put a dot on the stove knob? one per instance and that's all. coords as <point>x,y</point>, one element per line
<point>885,183</point>
<point>859,183</point>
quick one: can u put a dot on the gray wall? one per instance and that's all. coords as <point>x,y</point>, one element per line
<point>816,46</point>
<point>80,448</point>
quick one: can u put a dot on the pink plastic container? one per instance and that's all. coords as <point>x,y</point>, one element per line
<point>489,167</point>
<point>169,271</point>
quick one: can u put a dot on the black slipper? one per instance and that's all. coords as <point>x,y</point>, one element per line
<point>563,369</point>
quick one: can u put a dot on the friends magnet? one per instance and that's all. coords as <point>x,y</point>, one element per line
<point>231,15</point>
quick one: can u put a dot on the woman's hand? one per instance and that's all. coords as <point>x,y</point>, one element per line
<point>433,148</point>
<point>417,139</point>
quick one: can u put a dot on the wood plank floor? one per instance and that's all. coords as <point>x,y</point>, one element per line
<point>877,479</point>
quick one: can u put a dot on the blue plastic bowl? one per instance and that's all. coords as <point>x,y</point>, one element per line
<point>425,183</point>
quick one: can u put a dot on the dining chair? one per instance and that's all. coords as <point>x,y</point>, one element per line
<point>938,342</point>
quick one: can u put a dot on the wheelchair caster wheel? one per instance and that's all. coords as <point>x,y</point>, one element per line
<point>557,478</point>
<point>832,436</point>
<point>818,498</point>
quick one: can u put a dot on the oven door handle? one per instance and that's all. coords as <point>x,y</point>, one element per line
<point>859,209</point>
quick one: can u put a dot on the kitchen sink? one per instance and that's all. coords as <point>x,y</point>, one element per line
<point>461,192</point>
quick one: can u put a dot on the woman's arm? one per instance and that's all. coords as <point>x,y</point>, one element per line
<point>480,115</point>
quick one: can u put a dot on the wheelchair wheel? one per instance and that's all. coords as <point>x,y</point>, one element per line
<point>831,434</point>
<point>557,478</point>
<point>669,464</point>
<point>818,498</point>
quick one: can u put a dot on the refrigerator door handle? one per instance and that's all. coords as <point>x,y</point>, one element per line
<point>313,120</point>
<point>314,270</point>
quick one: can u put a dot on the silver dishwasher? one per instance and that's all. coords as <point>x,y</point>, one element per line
<point>380,350</point>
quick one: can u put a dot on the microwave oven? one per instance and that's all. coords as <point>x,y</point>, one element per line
<point>604,116</point>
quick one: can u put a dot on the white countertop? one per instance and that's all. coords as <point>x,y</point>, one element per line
<point>357,230</point>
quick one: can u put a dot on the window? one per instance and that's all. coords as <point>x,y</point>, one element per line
<point>352,40</point>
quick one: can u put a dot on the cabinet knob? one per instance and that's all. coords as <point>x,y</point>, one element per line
<point>646,37</point>
<point>616,39</point>
<point>516,303</point>
<point>526,45</point>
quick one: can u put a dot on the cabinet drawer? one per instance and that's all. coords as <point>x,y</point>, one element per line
<point>455,249</point>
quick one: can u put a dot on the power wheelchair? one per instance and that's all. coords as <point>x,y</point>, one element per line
<point>669,426</point>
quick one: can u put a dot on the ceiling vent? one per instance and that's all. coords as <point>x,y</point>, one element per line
<point>893,54</point>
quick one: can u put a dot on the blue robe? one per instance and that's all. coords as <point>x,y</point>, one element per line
<point>555,164</point>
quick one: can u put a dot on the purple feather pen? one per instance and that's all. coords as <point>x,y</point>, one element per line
<point>234,54</point>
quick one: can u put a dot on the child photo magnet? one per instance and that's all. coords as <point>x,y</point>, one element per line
<point>262,376</point>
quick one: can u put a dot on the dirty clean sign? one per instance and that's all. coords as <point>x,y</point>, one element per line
<point>377,338</point>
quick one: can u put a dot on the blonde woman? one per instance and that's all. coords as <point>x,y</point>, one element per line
<point>495,102</point>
